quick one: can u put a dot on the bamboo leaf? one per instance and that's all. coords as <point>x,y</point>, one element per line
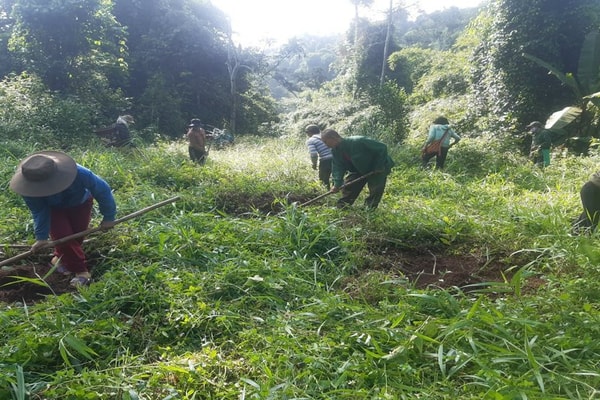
<point>533,362</point>
<point>23,279</point>
<point>562,118</point>
<point>566,78</point>
<point>594,98</point>
<point>19,390</point>
<point>80,347</point>
<point>64,353</point>
<point>251,383</point>
<point>474,309</point>
<point>440,360</point>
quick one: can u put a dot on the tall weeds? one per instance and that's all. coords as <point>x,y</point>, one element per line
<point>216,297</point>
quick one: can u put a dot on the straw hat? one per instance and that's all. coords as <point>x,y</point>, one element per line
<point>43,174</point>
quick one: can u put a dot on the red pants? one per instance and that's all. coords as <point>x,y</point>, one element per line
<point>65,222</point>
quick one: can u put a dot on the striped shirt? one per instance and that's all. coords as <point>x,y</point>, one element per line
<point>316,146</point>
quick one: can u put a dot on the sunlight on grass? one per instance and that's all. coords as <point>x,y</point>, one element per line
<point>237,292</point>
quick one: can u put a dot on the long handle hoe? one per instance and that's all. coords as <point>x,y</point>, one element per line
<point>360,178</point>
<point>89,231</point>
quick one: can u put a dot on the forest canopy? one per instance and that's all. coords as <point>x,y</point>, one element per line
<point>168,61</point>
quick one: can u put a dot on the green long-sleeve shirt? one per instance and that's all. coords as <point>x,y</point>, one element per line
<point>359,154</point>
<point>542,139</point>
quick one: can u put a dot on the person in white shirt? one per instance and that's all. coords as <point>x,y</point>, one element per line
<point>319,152</point>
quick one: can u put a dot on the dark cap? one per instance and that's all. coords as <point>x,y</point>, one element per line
<point>534,124</point>
<point>312,129</point>
<point>195,123</point>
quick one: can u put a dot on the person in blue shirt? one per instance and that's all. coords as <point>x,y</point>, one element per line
<point>439,130</point>
<point>60,193</point>
<point>319,152</point>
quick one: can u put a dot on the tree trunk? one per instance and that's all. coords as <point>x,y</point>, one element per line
<point>234,96</point>
<point>386,46</point>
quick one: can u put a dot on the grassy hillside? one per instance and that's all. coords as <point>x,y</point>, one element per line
<point>461,285</point>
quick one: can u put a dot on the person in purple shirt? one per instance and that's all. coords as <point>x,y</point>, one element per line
<point>60,193</point>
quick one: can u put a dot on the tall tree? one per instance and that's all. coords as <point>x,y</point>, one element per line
<point>234,66</point>
<point>8,63</point>
<point>66,42</point>
<point>388,38</point>
<point>357,4</point>
<point>178,55</point>
<point>357,39</point>
<point>371,58</point>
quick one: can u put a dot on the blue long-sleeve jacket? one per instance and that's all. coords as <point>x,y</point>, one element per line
<point>86,184</point>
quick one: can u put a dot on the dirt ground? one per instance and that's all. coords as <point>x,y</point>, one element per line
<point>13,287</point>
<point>435,269</point>
<point>419,268</point>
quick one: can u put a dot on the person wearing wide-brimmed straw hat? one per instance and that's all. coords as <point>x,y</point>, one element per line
<point>60,193</point>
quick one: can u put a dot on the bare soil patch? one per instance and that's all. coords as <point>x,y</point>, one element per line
<point>266,203</point>
<point>438,269</point>
<point>425,268</point>
<point>29,281</point>
<point>421,268</point>
<point>13,287</point>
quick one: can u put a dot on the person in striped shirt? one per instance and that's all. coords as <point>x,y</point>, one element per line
<point>319,152</point>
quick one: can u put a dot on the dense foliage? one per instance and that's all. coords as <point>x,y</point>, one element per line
<point>237,291</point>
<point>163,61</point>
<point>508,84</point>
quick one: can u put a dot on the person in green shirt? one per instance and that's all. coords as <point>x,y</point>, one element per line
<point>590,199</point>
<point>353,157</point>
<point>540,145</point>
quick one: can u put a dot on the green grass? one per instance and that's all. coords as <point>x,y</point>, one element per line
<point>233,292</point>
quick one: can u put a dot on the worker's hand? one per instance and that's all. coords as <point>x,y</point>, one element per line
<point>107,224</point>
<point>39,244</point>
<point>335,189</point>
